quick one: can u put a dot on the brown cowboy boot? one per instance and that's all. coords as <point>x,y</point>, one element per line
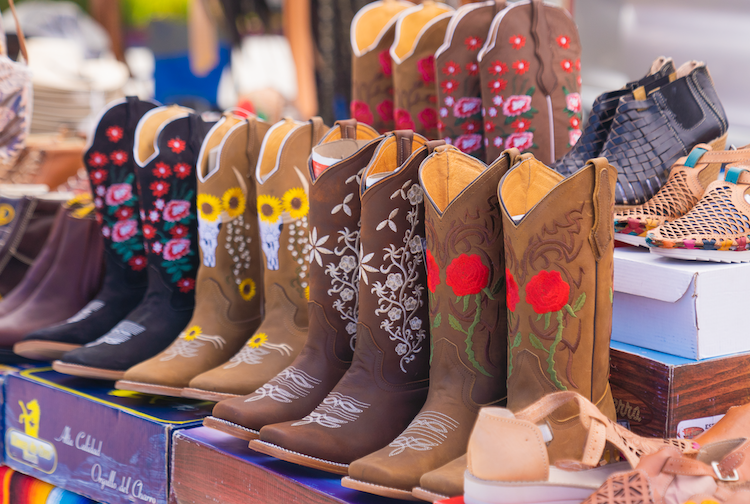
<point>334,284</point>
<point>466,280</point>
<point>387,381</point>
<point>559,260</point>
<point>228,291</point>
<point>283,204</point>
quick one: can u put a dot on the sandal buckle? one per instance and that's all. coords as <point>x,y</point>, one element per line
<point>721,477</point>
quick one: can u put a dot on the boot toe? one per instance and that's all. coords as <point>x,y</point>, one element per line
<point>232,410</point>
<point>373,469</point>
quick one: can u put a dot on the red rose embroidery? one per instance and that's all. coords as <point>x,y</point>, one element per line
<point>176,144</point>
<point>573,102</point>
<point>472,68</point>
<point>361,112</point>
<point>98,176</point>
<point>426,68</point>
<point>466,274</point>
<point>467,107</point>
<point>428,118</point>
<point>547,292</point>
<point>159,188</point>
<point>516,105</point>
<point>179,231</point>
<point>497,85</point>
<point>137,263</point>
<point>123,230</point>
<point>176,248</point>
<point>181,170</point>
<point>433,272</point>
<point>403,119</point>
<point>517,41</point>
<point>473,43</point>
<point>162,170</point>
<point>567,65</point>
<point>176,210</point>
<point>118,194</point>
<point>98,160</point>
<point>575,122</point>
<point>573,136</point>
<point>385,63</point>
<point>124,213</point>
<point>498,68</point>
<point>449,86</point>
<point>186,284</point>
<point>521,66</point>
<point>511,291</point>
<point>471,126</point>
<point>114,133</point>
<point>468,143</point>
<point>520,141</point>
<point>451,68</point>
<point>149,231</point>
<point>119,157</point>
<point>520,125</point>
<point>385,110</point>
<point>563,41</point>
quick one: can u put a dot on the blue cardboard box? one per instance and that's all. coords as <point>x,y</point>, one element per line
<point>82,435</point>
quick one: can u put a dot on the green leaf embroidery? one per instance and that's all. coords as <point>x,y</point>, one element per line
<point>531,91</point>
<point>516,343</point>
<point>455,324</point>
<point>539,317</point>
<point>546,320</point>
<point>579,302</point>
<point>498,285</point>
<point>569,310</point>
<point>488,293</point>
<point>536,343</point>
<point>438,319</point>
<point>551,371</point>
<point>508,120</point>
<point>466,302</point>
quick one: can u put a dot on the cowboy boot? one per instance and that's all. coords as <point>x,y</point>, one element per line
<point>283,206</point>
<point>386,383</point>
<point>466,280</point>
<point>111,170</point>
<point>529,67</point>
<point>420,30</point>
<point>228,287</point>
<point>559,259</point>
<point>459,88</point>
<point>166,148</point>
<point>335,168</point>
<point>372,31</point>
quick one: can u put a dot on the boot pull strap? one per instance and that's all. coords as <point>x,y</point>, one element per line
<point>433,144</point>
<point>404,139</point>
<point>513,156</point>
<point>348,128</point>
<point>317,129</point>
<point>499,5</point>
<point>195,133</point>
<point>601,232</point>
<point>545,77</point>
<point>251,127</point>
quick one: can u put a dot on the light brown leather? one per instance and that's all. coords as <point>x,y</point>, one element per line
<point>447,480</point>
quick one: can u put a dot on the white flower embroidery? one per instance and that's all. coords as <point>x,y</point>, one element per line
<point>343,206</point>
<point>415,195</point>
<point>317,247</point>
<point>347,294</point>
<point>394,314</point>
<point>394,281</point>
<point>415,324</point>
<point>190,348</point>
<point>410,304</point>
<point>415,245</point>
<point>401,349</point>
<point>347,264</point>
<point>364,267</point>
<point>351,328</point>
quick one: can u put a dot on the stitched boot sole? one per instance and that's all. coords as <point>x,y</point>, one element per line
<point>298,458</point>
<point>43,350</point>
<point>362,486</point>
<point>87,371</point>
<point>206,395</point>
<point>426,495</point>
<point>148,388</point>
<point>230,428</point>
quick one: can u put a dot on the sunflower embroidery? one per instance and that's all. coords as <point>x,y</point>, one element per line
<point>269,208</point>
<point>233,202</point>
<point>193,333</point>
<point>247,289</point>
<point>296,203</point>
<point>257,340</point>
<point>209,207</point>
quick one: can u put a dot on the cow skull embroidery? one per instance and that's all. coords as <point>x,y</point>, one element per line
<point>270,232</point>
<point>209,239</point>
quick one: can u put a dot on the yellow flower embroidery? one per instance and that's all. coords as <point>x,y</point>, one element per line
<point>257,340</point>
<point>307,293</point>
<point>193,333</point>
<point>269,208</point>
<point>209,207</point>
<point>233,201</point>
<point>247,289</point>
<point>296,202</point>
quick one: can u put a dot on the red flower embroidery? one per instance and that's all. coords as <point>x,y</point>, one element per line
<point>156,247</point>
<point>471,127</point>
<point>521,66</point>
<point>449,86</point>
<point>162,170</point>
<point>385,63</point>
<point>186,284</point>
<point>176,248</point>
<point>516,105</point>
<point>489,127</point>
<point>563,41</point>
<point>182,170</point>
<point>472,68</point>
<point>573,102</point>
<point>426,68</point>
<point>520,125</point>
<point>498,68</point>
<point>137,263</point>
<point>114,133</point>
<point>154,216</point>
<point>575,122</point>
<point>97,159</point>
<point>573,136</point>
<point>511,291</point>
<point>497,85</point>
<point>433,272</point>
<point>428,118</point>
<point>451,68</point>
<point>149,231</point>
<point>98,176</point>
<point>547,292</point>
<point>123,213</point>
<point>179,231</point>
<point>578,64</point>
<point>119,157</point>
<point>176,144</point>
<point>123,230</point>
<point>517,41</point>
<point>473,43</point>
<point>403,119</point>
<point>520,141</point>
<point>176,210</point>
<point>567,65</point>
<point>467,107</point>
<point>361,112</point>
<point>440,126</point>
<point>385,110</point>
<point>159,188</point>
<point>118,194</point>
<point>468,143</point>
<point>466,274</point>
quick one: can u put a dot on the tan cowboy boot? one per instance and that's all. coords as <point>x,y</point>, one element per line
<point>466,281</point>
<point>559,260</point>
<point>387,382</point>
<point>282,185</point>
<point>228,290</point>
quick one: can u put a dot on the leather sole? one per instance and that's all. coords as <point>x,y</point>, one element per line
<point>87,371</point>
<point>230,428</point>
<point>298,458</point>
<point>148,388</point>
<point>425,495</point>
<point>636,241</point>
<point>205,395</point>
<point>362,486</point>
<point>43,350</point>
<point>720,256</point>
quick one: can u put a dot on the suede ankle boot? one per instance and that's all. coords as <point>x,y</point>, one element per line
<point>111,169</point>
<point>228,288</point>
<point>282,187</point>
<point>386,384</point>
<point>335,169</point>
<point>167,143</point>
